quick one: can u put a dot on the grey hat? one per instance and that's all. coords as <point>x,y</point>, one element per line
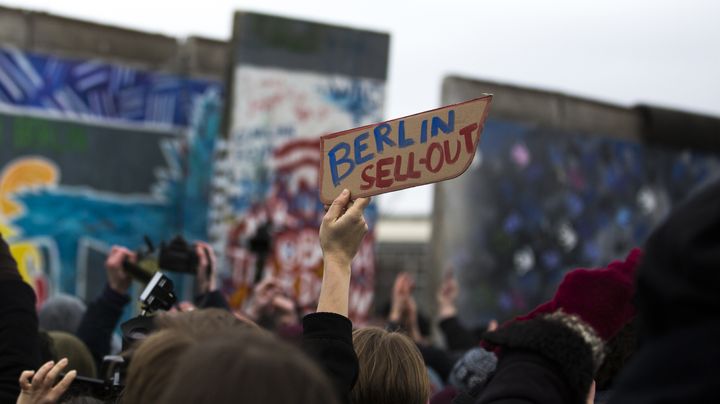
<point>472,369</point>
<point>61,313</point>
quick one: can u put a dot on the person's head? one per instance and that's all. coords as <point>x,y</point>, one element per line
<point>64,345</point>
<point>678,279</point>
<point>391,369</point>
<point>201,321</point>
<point>155,358</point>
<point>247,366</point>
<point>152,363</point>
<point>61,313</point>
<point>472,369</point>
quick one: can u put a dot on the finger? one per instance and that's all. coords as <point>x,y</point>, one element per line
<point>131,256</point>
<point>338,205</point>
<point>112,257</point>
<point>203,261</point>
<point>358,207</point>
<point>25,379</point>
<point>61,387</point>
<point>40,374</point>
<point>54,372</point>
<point>210,253</point>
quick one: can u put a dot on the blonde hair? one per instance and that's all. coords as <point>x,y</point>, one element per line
<point>391,369</point>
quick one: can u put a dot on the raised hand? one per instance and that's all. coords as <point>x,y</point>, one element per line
<point>447,296</point>
<point>40,388</point>
<point>118,279</point>
<point>206,279</point>
<point>341,233</point>
<point>402,292</point>
<point>343,228</point>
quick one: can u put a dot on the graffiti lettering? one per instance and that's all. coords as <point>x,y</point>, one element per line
<point>40,135</point>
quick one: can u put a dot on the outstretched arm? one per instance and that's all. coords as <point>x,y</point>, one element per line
<point>103,314</point>
<point>341,233</point>
<point>327,334</point>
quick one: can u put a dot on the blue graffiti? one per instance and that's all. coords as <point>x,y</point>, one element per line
<point>66,216</point>
<point>94,89</point>
<point>579,200</point>
<point>202,138</point>
<point>362,99</point>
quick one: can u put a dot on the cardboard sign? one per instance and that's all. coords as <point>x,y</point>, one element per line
<point>419,149</point>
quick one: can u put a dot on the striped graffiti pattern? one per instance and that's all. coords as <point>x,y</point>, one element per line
<point>94,90</point>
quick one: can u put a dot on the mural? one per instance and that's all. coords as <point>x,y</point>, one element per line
<point>90,89</point>
<point>542,202</point>
<point>270,178</point>
<point>77,177</point>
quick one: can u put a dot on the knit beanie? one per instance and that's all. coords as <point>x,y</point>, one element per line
<point>472,369</point>
<point>600,297</point>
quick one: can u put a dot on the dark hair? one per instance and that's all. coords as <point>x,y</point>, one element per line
<point>250,367</point>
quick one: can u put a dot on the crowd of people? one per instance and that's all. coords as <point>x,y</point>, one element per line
<point>643,329</point>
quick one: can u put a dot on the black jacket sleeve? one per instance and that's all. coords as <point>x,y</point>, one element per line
<point>19,344</point>
<point>327,337</point>
<point>457,337</point>
<point>99,321</point>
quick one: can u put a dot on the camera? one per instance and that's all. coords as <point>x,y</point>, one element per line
<point>159,294</point>
<point>107,388</point>
<point>178,256</point>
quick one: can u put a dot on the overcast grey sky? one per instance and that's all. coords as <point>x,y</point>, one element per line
<point>663,52</point>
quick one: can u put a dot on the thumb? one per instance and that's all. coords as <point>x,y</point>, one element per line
<point>336,209</point>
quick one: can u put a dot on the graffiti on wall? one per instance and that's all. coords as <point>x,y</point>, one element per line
<point>542,202</point>
<point>71,185</point>
<point>271,173</point>
<point>96,90</point>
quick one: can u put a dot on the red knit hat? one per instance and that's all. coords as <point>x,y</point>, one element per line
<point>601,297</point>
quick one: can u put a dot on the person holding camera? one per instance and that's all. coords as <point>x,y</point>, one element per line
<point>103,314</point>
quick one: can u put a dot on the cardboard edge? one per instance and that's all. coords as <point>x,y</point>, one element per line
<point>401,187</point>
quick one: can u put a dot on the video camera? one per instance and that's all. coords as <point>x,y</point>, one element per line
<point>176,256</point>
